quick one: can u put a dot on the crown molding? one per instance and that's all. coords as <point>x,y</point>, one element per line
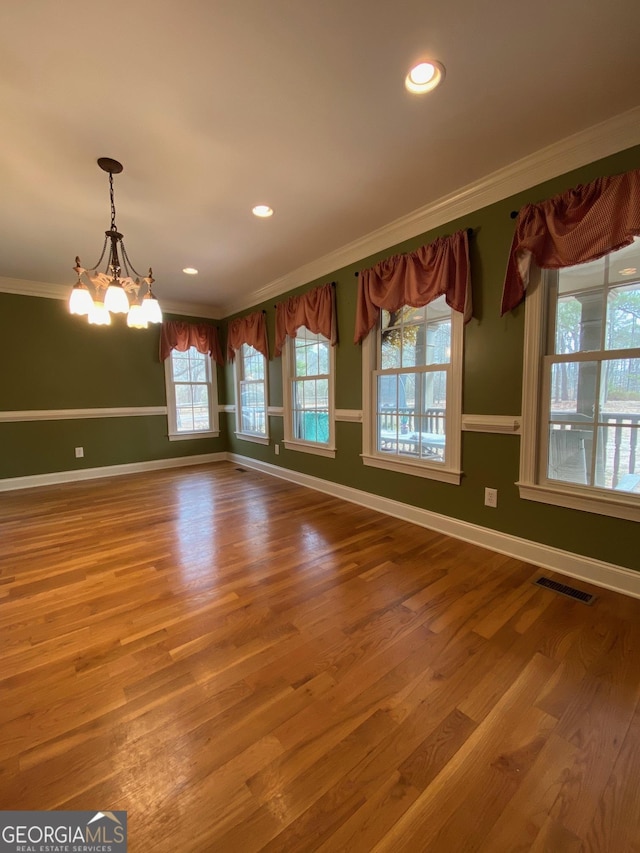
<point>48,290</point>
<point>22,287</point>
<point>587,146</point>
<point>192,309</point>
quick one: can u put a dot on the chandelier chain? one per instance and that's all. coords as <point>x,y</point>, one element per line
<point>113,203</point>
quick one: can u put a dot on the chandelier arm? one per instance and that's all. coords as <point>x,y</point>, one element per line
<point>99,261</point>
<point>128,260</point>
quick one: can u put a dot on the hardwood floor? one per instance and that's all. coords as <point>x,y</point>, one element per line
<point>246,665</point>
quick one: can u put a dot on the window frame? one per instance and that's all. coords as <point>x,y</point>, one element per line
<point>238,373</point>
<point>533,483</point>
<point>288,379</point>
<point>172,415</point>
<point>449,471</point>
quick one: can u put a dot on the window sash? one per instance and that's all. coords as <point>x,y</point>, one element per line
<point>310,427</point>
<point>445,469</point>
<point>177,410</point>
<point>534,482</point>
<point>251,420</point>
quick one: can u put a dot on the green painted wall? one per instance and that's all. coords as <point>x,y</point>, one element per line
<point>67,364</point>
<point>72,365</point>
<point>492,386</point>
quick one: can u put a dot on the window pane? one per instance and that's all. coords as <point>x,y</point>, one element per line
<point>253,363</point>
<point>201,417</point>
<point>434,390</point>
<point>413,346</point>
<point>184,419</point>
<point>323,358</point>
<point>573,391</point>
<point>180,365</point>
<point>618,464</point>
<point>439,342</point>
<point>582,277</point>
<point>396,409</point>
<point>308,390</point>
<point>620,385</point>
<point>198,370</point>
<point>184,395</point>
<point>579,322</point>
<point>570,452</point>
<point>623,317</point>
<point>391,349</point>
<point>200,395</point>
<point>300,357</point>
<point>618,461</point>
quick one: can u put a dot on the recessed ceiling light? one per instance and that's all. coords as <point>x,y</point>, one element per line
<point>262,210</point>
<point>628,271</point>
<point>190,271</point>
<point>424,77</point>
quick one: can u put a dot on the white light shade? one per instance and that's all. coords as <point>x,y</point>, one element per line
<point>262,210</point>
<point>99,315</point>
<point>136,318</point>
<point>151,310</point>
<point>80,301</point>
<point>116,299</point>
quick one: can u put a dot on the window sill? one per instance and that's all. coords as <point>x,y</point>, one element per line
<point>429,471</point>
<point>185,436</point>
<point>316,449</point>
<point>602,503</point>
<point>256,439</point>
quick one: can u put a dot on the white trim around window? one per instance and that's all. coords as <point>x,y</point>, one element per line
<point>532,483</point>
<point>447,472</point>
<point>250,374</point>
<point>291,440</point>
<point>201,381</point>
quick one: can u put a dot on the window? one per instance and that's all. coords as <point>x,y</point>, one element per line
<point>412,382</point>
<point>308,361</point>
<point>191,394</point>
<point>581,405</point>
<point>251,395</point>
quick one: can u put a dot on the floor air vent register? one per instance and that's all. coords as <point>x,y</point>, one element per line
<point>569,591</point>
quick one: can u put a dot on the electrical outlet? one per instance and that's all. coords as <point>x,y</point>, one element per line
<point>491,497</point>
<point>277,449</point>
<point>79,452</point>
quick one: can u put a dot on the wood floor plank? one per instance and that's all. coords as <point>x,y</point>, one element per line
<point>246,665</point>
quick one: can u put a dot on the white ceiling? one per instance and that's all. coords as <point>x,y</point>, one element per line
<point>214,106</point>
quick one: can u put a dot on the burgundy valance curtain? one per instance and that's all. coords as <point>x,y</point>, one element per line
<point>315,309</point>
<point>573,227</point>
<point>180,335</point>
<point>416,279</point>
<point>250,329</point>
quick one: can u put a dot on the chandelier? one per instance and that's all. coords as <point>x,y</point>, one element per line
<point>110,292</point>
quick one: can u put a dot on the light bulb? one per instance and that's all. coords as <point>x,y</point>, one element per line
<point>99,316</point>
<point>424,77</point>
<point>80,301</point>
<point>136,318</point>
<point>116,299</point>
<point>151,310</point>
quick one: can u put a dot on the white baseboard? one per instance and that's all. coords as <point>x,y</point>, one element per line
<point>607,575</point>
<point>56,477</point>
